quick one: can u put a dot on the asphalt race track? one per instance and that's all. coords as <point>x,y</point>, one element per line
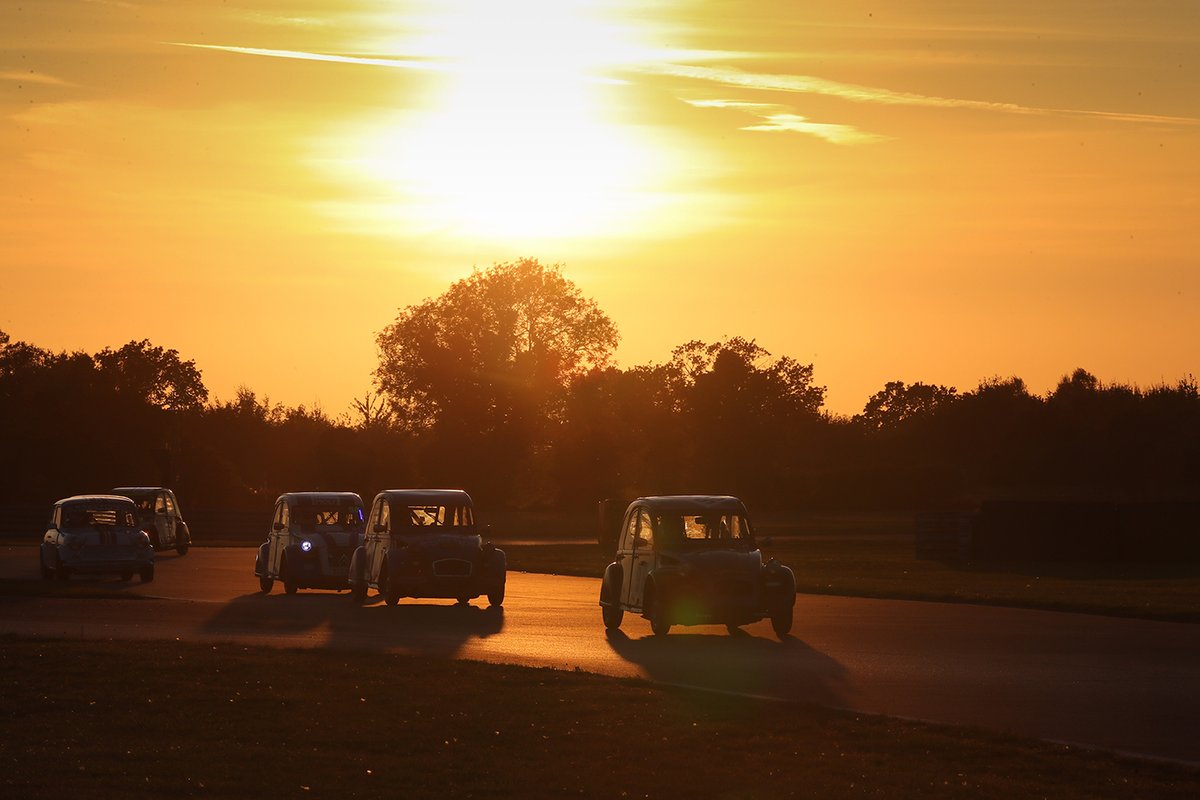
<point>1126,685</point>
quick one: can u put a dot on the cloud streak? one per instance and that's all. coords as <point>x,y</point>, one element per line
<point>807,84</point>
<point>777,118</point>
<point>301,55</point>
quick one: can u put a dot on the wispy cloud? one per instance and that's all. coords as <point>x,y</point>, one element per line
<point>372,61</point>
<point>33,77</point>
<point>807,84</point>
<point>782,119</point>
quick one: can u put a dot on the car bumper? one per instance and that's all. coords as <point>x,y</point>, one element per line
<point>107,566</point>
<point>448,586</point>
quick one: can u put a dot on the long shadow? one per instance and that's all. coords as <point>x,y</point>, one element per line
<point>327,619</point>
<point>740,662</point>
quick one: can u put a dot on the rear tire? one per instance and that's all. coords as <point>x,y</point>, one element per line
<point>464,601</point>
<point>47,573</point>
<point>656,610</point>
<point>146,574</point>
<point>781,621</point>
<point>496,598</point>
<point>127,576</point>
<point>265,583</point>
<point>358,593</point>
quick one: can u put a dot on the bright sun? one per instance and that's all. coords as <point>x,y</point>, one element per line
<point>516,143</point>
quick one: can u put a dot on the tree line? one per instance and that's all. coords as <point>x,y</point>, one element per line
<point>505,385</point>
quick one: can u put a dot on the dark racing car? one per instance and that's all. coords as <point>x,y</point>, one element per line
<point>424,543</point>
<point>312,537</point>
<point>693,560</point>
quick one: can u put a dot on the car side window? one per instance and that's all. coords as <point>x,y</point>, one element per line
<point>284,514</point>
<point>170,504</point>
<point>645,530</point>
<point>385,514</point>
<point>160,503</point>
<point>629,532</point>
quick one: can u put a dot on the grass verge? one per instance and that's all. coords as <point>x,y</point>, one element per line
<point>105,719</point>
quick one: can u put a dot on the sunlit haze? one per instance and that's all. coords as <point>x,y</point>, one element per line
<point>914,191</point>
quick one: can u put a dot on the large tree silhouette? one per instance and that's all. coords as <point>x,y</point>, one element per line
<point>484,367</point>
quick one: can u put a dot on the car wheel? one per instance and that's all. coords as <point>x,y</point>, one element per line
<point>289,582</point>
<point>656,610</point>
<point>358,593</point>
<point>61,571</point>
<point>146,574</point>
<point>464,601</point>
<point>734,630</point>
<point>47,573</point>
<point>183,539</point>
<point>781,621</point>
<point>385,588</point>
<point>127,576</point>
<point>266,583</point>
<point>496,598</point>
<point>612,614</point>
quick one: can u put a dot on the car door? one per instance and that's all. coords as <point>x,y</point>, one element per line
<point>169,527</point>
<point>379,536</point>
<point>277,537</point>
<point>162,526</point>
<point>625,552</point>
<point>643,558</point>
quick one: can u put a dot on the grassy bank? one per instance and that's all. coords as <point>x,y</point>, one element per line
<point>874,556</point>
<point>98,720</point>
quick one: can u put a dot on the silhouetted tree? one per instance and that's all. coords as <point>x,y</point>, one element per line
<point>484,366</point>
<point>898,402</point>
<point>157,375</point>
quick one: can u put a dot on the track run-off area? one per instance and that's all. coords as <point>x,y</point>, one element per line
<point>1126,685</point>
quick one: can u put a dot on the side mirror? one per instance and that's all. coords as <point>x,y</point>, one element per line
<point>278,526</point>
<point>379,528</point>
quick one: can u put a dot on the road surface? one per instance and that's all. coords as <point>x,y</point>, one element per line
<point>1125,685</point>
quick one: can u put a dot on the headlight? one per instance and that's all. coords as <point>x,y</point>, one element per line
<point>306,546</point>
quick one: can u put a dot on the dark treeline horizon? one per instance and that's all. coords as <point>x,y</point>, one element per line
<point>504,386</point>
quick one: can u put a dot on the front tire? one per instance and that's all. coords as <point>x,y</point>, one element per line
<point>656,610</point>
<point>496,598</point>
<point>781,621</point>
<point>183,539</point>
<point>390,596</point>
<point>610,611</point>
<point>47,573</point>
<point>127,576</point>
<point>146,574</point>
<point>358,593</point>
<point>289,582</point>
<point>265,583</point>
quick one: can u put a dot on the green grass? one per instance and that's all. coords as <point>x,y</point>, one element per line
<point>873,555</point>
<point>103,719</point>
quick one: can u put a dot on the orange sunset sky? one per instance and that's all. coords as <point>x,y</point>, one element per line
<point>921,190</point>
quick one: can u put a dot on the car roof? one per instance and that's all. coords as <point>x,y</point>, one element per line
<point>317,498</point>
<point>684,503</point>
<point>427,496</point>
<point>82,499</point>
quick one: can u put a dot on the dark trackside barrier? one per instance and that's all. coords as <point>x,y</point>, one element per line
<point>1064,531</point>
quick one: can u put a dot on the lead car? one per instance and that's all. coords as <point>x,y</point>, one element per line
<point>423,543</point>
<point>693,560</point>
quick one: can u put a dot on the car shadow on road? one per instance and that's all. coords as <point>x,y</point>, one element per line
<point>325,619</point>
<point>741,663</point>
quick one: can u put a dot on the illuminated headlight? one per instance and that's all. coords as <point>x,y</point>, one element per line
<point>306,546</point>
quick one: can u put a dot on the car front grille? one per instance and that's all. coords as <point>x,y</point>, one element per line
<point>452,567</point>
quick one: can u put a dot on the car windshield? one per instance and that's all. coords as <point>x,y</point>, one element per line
<point>95,516</point>
<point>710,531</point>
<point>435,516</point>
<point>328,516</point>
<point>143,500</point>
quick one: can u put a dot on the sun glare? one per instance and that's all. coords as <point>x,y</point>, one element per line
<point>516,142</point>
